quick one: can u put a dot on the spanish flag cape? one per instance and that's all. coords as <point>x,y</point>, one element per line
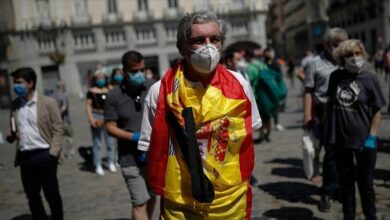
<point>222,115</point>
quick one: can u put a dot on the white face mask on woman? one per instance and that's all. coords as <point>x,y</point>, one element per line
<point>354,64</point>
<point>241,65</point>
<point>205,58</point>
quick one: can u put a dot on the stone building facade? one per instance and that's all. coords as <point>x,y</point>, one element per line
<point>62,40</point>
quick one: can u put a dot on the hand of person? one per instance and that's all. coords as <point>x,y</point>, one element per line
<point>11,137</point>
<point>53,159</point>
<point>370,142</point>
<point>135,136</point>
<point>142,156</point>
<point>92,122</point>
<point>306,121</point>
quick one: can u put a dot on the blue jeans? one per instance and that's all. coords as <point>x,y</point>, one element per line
<point>97,134</point>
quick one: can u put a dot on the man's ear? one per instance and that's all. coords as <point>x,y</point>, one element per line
<point>30,85</point>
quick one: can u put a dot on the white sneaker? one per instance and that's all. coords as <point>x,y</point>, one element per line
<point>112,167</point>
<point>99,171</point>
<point>279,127</point>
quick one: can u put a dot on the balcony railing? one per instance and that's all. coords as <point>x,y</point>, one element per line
<point>84,41</point>
<point>46,45</point>
<point>171,32</point>
<point>146,35</point>
<point>115,39</point>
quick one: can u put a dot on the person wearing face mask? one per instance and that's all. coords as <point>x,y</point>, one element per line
<point>96,98</point>
<point>353,115</point>
<point>268,93</point>
<point>150,75</point>
<point>36,125</point>
<point>123,115</point>
<point>116,78</point>
<point>235,61</point>
<point>201,154</point>
<point>269,58</point>
<point>316,79</point>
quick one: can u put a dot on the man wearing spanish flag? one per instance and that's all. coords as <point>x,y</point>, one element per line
<point>201,153</point>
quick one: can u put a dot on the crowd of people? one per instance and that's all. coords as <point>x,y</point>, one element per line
<point>189,137</point>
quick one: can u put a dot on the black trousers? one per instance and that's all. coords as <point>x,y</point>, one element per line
<point>363,173</point>
<point>39,170</point>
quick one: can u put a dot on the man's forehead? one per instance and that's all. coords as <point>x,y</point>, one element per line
<point>205,30</point>
<point>132,64</point>
<point>19,79</point>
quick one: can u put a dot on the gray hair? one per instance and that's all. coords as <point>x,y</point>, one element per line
<point>334,34</point>
<point>345,48</point>
<point>200,17</point>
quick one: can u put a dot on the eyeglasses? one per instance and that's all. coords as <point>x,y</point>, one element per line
<point>134,71</point>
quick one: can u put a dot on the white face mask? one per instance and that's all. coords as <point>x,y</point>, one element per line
<point>205,58</point>
<point>241,65</point>
<point>354,64</point>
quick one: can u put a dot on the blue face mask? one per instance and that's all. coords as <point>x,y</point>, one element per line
<point>137,79</point>
<point>101,82</point>
<point>118,78</point>
<point>20,89</point>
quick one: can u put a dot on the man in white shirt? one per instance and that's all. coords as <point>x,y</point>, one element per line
<point>37,126</point>
<point>317,73</point>
<point>201,153</point>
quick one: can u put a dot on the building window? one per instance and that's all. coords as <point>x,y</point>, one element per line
<point>112,6</point>
<point>363,37</point>
<point>374,40</point>
<point>239,27</point>
<point>143,5</point>
<point>172,4</point>
<point>79,8</point>
<point>43,11</point>
<point>171,32</point>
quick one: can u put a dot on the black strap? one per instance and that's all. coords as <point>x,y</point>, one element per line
<point>202,188</point>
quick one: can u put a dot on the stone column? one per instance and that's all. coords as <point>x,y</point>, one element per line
<point>163,63</point>
<point>130,37</point>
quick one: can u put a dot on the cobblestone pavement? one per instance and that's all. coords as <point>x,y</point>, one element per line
<point>282,192</point>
